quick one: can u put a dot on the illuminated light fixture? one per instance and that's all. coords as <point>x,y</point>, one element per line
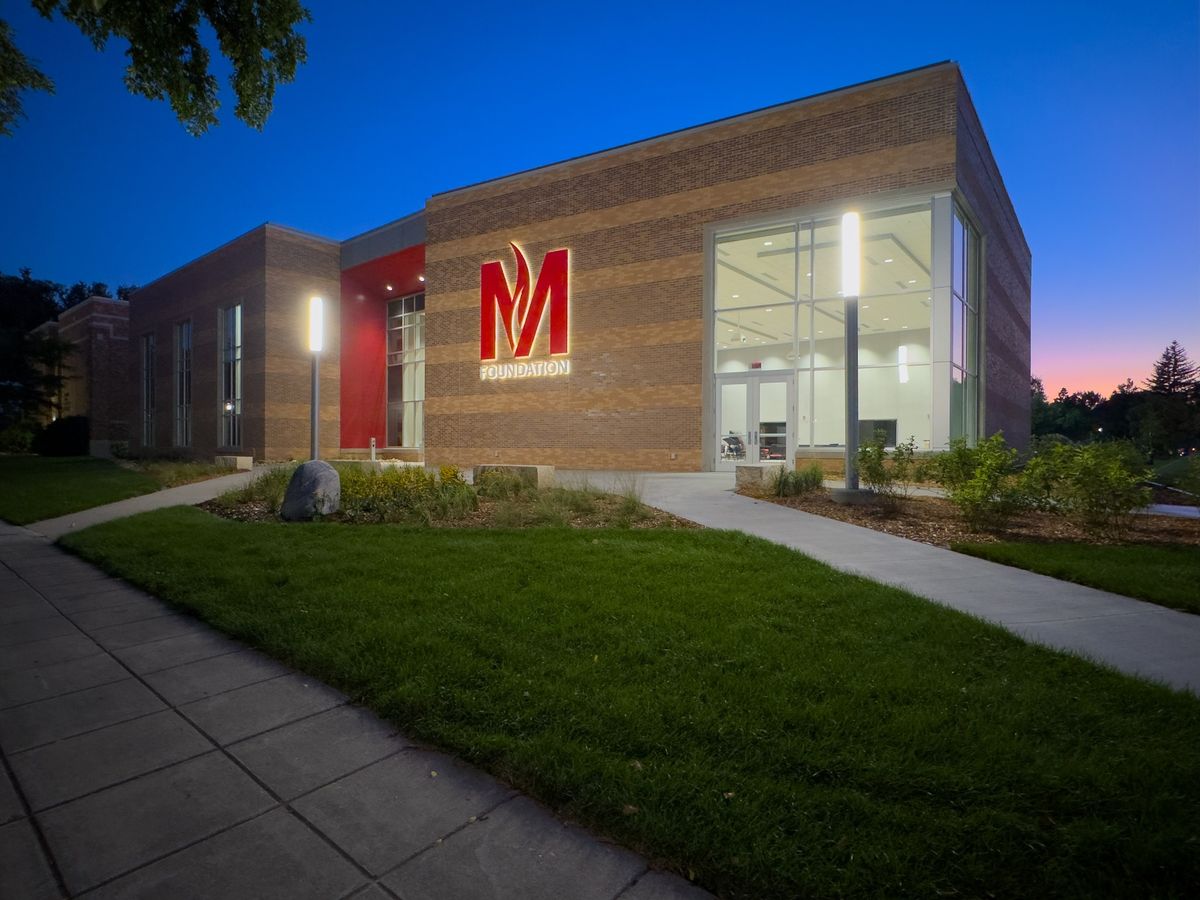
<point>768,243</point>
<point>808,274</point>
<point>768,309</point>
<point>228,406</point>
<point>316,324</point>
<point>903,358</point>
<point>851,254</point>
<point>912,281</point>
<point>866,306</point>
<point>889,259</point>
<point>421,278</point>
<point>735,296</point>
<point>316,342</point>
<point>887,318</point>
<point>388,288</point>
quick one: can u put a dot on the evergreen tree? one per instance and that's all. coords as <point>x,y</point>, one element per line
<point>1174,374</point>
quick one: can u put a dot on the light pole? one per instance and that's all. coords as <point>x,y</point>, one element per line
<point>851,277</point>
<point>316,339</point>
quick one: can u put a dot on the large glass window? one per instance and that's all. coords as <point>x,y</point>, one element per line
<point>779,306</point>
<point>964,331</point>
<point>148,390</point>
<point>406,372</point>
<point>183,384</point>
<point>229,333</point>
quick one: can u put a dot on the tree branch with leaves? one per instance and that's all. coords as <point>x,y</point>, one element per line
<point>168,59</point>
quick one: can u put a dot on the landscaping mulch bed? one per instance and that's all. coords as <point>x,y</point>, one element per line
<point>933,520</point>
<point>489,514</point>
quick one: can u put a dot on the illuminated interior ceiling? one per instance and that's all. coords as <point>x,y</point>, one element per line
<point>760,269</point>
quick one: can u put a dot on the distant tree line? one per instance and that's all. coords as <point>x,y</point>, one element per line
<point>1161,418</point>
<point>33,367</point>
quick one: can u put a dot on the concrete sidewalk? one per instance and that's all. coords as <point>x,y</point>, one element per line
<point>1135,637</point>
<point>185,495</point>
<point>146,755</point>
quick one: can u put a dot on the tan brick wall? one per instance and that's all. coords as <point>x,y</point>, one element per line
<point>1007,289</point>
<point>272,272</point>
<point>634,221</point>
<point>299,267</point>
<point>97,371</point>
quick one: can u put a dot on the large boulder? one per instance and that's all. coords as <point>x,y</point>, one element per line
<point>315,490</point>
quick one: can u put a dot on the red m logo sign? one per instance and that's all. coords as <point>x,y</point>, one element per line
<point>521,310</point>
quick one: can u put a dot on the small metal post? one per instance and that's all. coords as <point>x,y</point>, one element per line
<point>316,396</point>
<point>372,449</point>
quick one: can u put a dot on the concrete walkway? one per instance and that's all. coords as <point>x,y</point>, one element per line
<point>146,755</point>
<point>185,495</point>
<point>1135,637</point>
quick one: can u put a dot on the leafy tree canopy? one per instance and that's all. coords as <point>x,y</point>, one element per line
<point>167,56</point>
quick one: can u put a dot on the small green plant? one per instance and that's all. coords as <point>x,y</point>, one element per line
<point>794,482</point>
<point>889,475</point>
<point>1101,486</point>
<point>981,481</point>
<point>269,488</point>
<point>496,484</point>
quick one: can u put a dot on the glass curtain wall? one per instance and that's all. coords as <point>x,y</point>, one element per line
<point>406,372</point>
<point>964,331</point>
<point>779,307</point>
<point>230,336</point>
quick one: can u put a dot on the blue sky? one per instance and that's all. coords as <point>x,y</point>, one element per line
<point>1092,111</point>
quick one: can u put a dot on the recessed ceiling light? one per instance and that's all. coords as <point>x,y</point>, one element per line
<point>768,243</point>
<point>903,326</point>
<point>866,306</point>
<point>807,274</point>
<point>889,259</point>
<point>735,296</point>
<point>819,331</point>
<point>912,281</point>
<point>387,287</point>
<point>768,309</point>
<point>421,278</point>
<point>887,318</point>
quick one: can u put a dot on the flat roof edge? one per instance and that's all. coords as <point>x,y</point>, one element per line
<point>395,222</point>
<point>263,226</point>
<point>895,76</point>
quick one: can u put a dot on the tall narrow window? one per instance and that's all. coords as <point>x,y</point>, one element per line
<point>406,372</point>
<point>148,390</point>
<point>183,384</point>
<point>964,331</point>
<point>230,337</point>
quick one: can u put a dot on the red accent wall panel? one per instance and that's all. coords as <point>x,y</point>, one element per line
<point>365,296</point>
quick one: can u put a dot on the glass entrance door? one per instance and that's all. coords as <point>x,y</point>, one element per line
<point>754,418</point>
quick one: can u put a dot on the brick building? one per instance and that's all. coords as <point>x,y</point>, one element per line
<point>96,371</point>
<point>676,303</point>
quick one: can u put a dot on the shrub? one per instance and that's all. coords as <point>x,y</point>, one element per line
<point>67,436</point>
<point>1100,486</point>
<point>269,488</point>
<point>981,481</point>
<point>499,485</point>
<point>793,482</point>
<point>18,437</point>
<point>889,475</point>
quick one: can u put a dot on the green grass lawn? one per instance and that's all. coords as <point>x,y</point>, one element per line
<point>747,715</point>
<point>33,488</point>
<point>1167,575</point>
